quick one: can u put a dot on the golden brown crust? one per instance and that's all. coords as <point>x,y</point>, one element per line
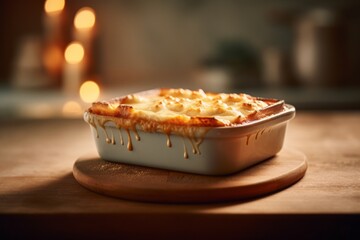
<point>188,108</point>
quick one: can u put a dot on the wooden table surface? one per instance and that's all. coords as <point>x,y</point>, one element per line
<point>39,195</point>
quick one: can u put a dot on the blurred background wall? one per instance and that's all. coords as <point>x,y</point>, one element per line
<point>179,42</point>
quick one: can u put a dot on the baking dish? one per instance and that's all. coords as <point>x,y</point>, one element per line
<point>212,151</point>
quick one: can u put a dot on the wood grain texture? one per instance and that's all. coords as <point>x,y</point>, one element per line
<point>155,185</point>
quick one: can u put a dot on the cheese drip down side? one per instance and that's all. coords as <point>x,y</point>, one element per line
<point>194,141</point>
<point>195,137</point>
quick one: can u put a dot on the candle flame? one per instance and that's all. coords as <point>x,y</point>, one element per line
<point>54,6</point>
<point>84,18</point>
<point>89,91</point>
<point>74,53</point>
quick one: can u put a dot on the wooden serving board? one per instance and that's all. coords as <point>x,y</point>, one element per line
<point>156,185</point>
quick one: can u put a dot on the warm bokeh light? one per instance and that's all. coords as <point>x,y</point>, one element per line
<point>54,6</point>
<point>74,53</point>
<point>84,18</point>
<point>89,91</point>
<point>71,109</point>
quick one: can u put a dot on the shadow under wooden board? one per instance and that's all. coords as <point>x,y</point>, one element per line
<point>156,185</point>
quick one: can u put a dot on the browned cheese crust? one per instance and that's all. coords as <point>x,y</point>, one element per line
<point>182,107</point>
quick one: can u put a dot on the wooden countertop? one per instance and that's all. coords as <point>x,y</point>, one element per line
<point>39,194</point>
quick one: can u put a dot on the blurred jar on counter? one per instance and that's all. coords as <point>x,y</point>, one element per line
<point>320,52</point>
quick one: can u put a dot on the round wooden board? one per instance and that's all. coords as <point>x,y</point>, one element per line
<point>156,185</point>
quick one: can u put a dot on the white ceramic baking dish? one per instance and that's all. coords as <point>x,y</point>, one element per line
<point>221,151</point>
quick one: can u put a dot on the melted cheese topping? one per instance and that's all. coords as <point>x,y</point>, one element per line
<point>182,106</point>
